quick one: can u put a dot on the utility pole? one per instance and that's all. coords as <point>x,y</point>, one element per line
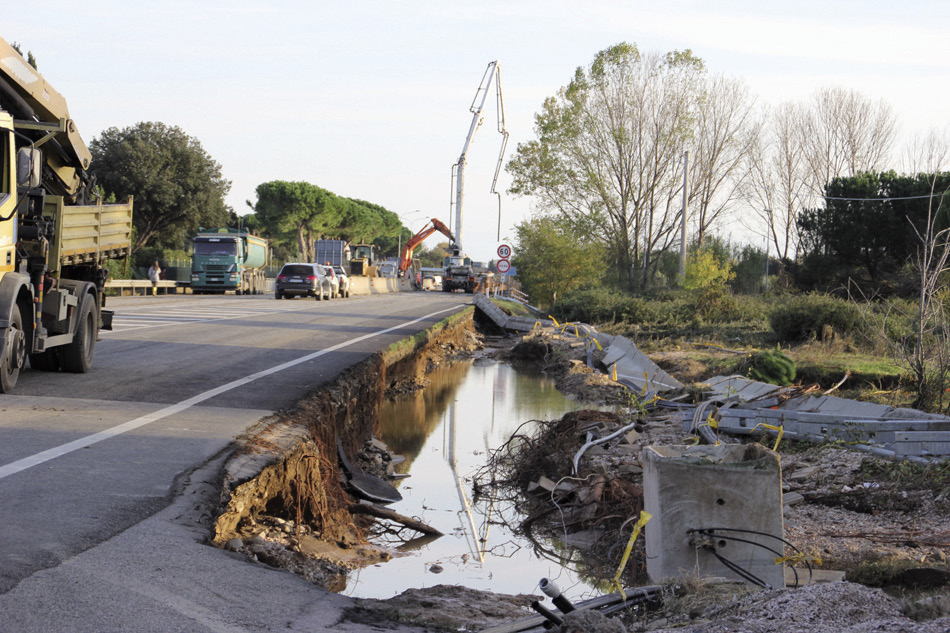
<point>683,223</point>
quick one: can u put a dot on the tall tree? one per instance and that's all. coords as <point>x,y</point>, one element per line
<point>777,188</point>
<point>844,133</point>
<point>176,185</point>
<point>607,156</point>
<point>726,129</point>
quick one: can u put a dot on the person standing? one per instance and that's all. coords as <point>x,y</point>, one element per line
<point>154,274</point>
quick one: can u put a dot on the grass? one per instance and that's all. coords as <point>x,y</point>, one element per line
<point>513,308</point>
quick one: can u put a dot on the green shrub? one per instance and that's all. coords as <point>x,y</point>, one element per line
<point>600,305</point>
<point>805,317</point>
<point>771,366</point>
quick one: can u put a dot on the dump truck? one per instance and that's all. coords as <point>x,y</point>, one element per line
<point>228,259</point>
<point>55,236</point>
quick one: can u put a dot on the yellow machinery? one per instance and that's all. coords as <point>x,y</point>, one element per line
<point>53,240</point>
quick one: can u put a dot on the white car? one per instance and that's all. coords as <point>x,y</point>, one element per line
<point>344,280</point>
<point>334,281</point>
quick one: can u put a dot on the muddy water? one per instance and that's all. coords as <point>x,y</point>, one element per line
<point>445,433</point>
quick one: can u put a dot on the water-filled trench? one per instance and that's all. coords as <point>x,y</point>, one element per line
<point>446,432</point>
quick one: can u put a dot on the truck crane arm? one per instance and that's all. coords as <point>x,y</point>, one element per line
<point>492,75</point>
<point>406,255</point>
<point>40,113</point>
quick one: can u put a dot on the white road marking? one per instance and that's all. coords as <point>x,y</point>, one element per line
<point>140,320</point>
<point>44,456</point>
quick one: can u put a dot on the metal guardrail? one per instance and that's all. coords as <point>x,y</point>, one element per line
<point>143,287</point>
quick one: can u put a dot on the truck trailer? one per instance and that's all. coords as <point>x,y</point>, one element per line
<point>332,253</point>
<point>55,237</point>
<point>228,259</point>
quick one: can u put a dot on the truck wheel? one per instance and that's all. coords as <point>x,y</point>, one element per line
<point>45,361</point>
<point>14,352</point>
<point>77,356</point>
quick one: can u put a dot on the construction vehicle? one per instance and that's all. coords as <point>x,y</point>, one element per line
<point>459,272</point>
<point>364,260</point>
<point>228,259</point>
<point>405,254</point>
<point>54,240</point>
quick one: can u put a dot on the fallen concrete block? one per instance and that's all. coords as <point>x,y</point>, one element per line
<point>710,503</point>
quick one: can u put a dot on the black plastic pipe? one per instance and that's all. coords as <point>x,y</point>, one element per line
<point>552,591</point>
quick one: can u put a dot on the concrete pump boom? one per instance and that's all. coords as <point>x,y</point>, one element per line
<point>492,73</point>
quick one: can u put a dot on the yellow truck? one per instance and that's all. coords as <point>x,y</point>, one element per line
<point>54,237</point>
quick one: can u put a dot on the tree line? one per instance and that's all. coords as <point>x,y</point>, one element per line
<point>607,161</point>
<point>179,188</point>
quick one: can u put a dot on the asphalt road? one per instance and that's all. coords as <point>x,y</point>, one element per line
<point>88,461</point>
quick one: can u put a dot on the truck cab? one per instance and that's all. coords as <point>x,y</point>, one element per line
<point>228,259</point>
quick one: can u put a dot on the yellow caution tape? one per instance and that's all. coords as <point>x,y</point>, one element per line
<point>798,558</point>
<point>556,324</point>
<point>613,376</point>
<point>575,332</point>
<point>644,517</point>
<point>779,429</point>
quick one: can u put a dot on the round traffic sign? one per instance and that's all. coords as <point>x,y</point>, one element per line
<point>504,251</point>
<point>503,266</point>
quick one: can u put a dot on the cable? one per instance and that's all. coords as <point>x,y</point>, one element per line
<point>714,533</point>
<point>934,195</point>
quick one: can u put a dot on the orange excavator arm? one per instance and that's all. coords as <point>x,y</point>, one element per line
<point>406,255</point>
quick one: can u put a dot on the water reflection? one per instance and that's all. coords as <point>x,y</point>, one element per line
<point>445,432</point>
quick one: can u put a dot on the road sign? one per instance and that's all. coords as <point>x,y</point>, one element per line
<point>503,266</point>
<point>504,251</point>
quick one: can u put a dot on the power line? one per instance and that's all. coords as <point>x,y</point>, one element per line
<point>886,199</point>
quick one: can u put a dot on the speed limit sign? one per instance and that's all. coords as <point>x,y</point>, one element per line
<point>503,266</point>
<point>504,251</point>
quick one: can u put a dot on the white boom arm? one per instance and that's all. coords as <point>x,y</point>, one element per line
<point>492,73</point>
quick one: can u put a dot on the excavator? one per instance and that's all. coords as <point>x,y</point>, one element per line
<point>405,256</point>
<point>55,237</point>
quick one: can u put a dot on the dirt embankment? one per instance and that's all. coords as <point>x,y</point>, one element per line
<point>283,500</point>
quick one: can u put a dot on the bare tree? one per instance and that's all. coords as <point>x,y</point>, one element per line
<point>845,132</point>
<point>924,151</point>
<point>726,129</point>
<point>777,184</point>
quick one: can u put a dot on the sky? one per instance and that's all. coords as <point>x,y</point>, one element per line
<point>370,99</point>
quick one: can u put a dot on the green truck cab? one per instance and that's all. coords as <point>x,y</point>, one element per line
<point>228,259</point>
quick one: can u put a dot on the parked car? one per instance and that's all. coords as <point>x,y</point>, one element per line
<point>344,280</point>
<point>334,281</point>
<point>304,280</point>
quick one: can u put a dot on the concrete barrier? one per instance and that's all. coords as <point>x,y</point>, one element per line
<point>378,285</point>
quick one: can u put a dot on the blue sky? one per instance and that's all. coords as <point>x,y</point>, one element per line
<point>370,99</point>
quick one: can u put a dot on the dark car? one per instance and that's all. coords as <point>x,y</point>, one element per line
<point>305,280</point>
